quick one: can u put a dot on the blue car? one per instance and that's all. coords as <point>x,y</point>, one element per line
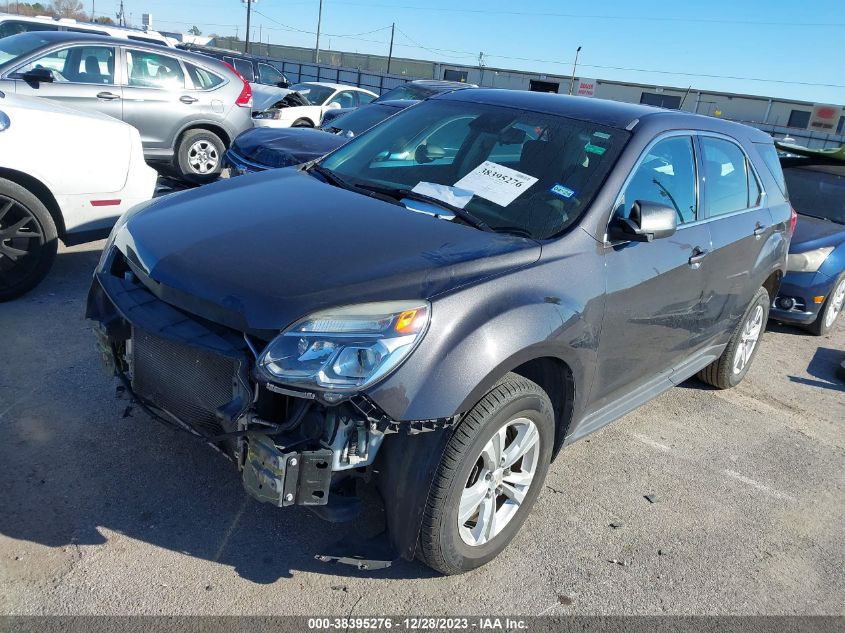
<point>812,293</point>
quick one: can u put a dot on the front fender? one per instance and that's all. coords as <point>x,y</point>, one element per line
<point>479,333</point>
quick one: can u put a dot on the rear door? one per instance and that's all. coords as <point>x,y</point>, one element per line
<point>83,77</point>
<point>654,289</point>
<point>740,225</point>
<point>156,97</point>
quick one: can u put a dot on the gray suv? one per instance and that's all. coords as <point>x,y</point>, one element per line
<point>188,107</point>
<point>440,305</point>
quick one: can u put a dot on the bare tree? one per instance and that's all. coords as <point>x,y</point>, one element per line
<point>69,9</point>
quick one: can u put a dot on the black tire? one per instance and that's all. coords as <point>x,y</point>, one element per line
<point>37,237</point>
<point>440,543</point>
<point>199,156</point>
<point>819,327</point>
<point>720,373</point>
<point>302,123</point>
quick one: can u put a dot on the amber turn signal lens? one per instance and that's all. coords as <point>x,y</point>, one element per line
<point>405,324</point>
<point>818,299</point>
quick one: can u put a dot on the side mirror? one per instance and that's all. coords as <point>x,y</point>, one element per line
<point>283,84</point>
<point>426,153</point>
<point>334,105</point>
<point>38,75</point>
<point>648,221</point>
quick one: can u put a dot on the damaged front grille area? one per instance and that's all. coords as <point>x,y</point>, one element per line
<point>186,382</point>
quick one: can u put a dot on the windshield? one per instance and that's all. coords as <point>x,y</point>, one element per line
<point>315,94</point>
<point>360,120</point>
<point>517,171</point>
<point>17,45</point>
<point>817,190</point>
<point>412,92</point>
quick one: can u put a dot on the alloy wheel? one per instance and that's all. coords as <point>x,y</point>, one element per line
<point>750,335</point>
<point>21,236</point>
<point>203,157</point>
<point>837,300</point>
<point>499,481</point>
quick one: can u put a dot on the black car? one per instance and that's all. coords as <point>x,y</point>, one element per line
<point>270,148</point>
<point>440,305</point>
<point>253,68</point>
<point>416,90</point>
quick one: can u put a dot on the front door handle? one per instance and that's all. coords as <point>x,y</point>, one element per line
<point>188,100</point>
<point>759,230</point>
<point>697,257</point>
<point>107,96</point>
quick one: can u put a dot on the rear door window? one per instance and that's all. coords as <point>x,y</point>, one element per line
<point>726,177</point>
<point>151,70</point>
<point>770,157</point>
<point>666,175</point>
<point>244,67</point>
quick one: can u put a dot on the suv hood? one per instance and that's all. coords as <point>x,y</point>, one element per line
<point>261,251</point>
<point>282,147</point>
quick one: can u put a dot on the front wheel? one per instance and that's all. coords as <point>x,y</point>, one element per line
<point>199,156</point>
<point>490,475</point>
<point>831,309</point>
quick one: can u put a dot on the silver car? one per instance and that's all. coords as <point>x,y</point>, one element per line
<point>188,107</point>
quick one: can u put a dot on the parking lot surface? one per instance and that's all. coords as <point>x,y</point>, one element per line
<point>106,512</point>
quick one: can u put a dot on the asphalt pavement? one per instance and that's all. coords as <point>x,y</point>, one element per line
<point>109,513</point>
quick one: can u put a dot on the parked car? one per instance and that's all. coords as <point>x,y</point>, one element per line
<point>318,96</point>
<point>264,148</point>
<point>813,292</point>
<point>416,90</point>
<point>187,106</point>
<point>253,68</point>
<point>15,24</point>
<point>439,323</point>
<point>64,174</point>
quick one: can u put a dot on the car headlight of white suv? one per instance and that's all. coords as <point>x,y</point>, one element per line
<point>344,350</point>
<point>809,261</point>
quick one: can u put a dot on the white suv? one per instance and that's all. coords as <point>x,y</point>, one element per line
<point>14,24</point>
<point>64,174</point>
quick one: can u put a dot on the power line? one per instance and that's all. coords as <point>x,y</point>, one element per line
<point>584,16</point>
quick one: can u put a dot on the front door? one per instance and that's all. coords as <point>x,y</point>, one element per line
<point>83,78</point>
<point>654,289</point>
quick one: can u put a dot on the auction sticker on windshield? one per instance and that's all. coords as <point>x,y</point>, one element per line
<point>496,183</point>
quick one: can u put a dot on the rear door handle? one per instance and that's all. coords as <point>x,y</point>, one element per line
<point>107,96</point>
<point>188,100</point>
<point>759,230</point>
<point>697,257</point>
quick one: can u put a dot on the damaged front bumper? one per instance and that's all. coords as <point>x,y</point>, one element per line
<point>290,447</point>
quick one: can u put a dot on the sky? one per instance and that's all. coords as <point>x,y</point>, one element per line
<point>777,48</point>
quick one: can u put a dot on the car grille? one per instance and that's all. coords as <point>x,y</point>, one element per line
<point>185,381</point>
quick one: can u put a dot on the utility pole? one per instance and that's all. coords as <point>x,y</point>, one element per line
<point>121,16</point>
<point>574,66</point>
<point>248,12</point>
<point>390,54</point>
<point>93,14</point>
<point>319,22</point>
<point>481,66</point>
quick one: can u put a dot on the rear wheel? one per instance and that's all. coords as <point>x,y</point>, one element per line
<point>199,157</point>
<point>831,309</point>
<point>731,367</point>
<point>28,240</point>
<point>491,473</point>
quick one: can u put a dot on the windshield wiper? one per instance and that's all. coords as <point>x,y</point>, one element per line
<point>400,192</point>
<point>330,177</point>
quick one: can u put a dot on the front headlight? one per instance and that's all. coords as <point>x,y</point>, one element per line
<point>346,349</point>
<point>808,262</point>
<point>268,114</point>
